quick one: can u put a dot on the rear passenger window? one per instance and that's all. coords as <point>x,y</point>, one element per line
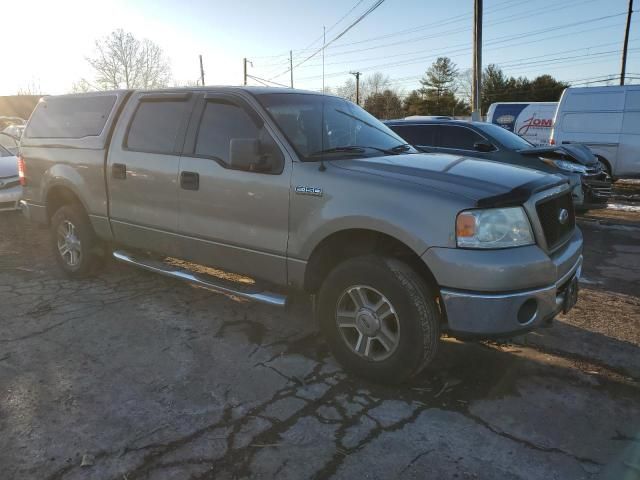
<point>220,123</point>
<point>70,116</point>
<point>458,137</point>
<point>424,135</point>
<point>155,126</point>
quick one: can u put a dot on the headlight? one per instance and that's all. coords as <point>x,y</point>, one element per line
<point>565,165</point>
<point>493,228</point>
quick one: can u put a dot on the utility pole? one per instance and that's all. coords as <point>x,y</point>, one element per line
<point>357,75</point>
<point>291,66</point>
<point>201,71</point>
<point>476,92</point>
<point>623,67</point>
<point>245,70</point>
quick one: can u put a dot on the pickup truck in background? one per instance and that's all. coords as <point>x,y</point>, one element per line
<point>304,192</point>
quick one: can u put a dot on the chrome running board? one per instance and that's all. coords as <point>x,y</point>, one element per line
<point>251,292</point>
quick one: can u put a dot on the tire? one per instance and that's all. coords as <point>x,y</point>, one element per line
<point>607,167</point>
<point>408,323</point>
<point>72,230</point>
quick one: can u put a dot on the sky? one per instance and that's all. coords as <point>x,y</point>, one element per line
<point>574,40</point>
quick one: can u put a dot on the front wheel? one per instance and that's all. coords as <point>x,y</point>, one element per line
<point>76,248</point>
<point>380,318</point>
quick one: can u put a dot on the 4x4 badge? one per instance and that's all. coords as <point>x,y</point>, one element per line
<point>304,190</point>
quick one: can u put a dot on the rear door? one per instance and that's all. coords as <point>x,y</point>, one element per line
<point>460,140</point>
<point>420,136</point>
<point>233,219</point>
<point>142,170</point>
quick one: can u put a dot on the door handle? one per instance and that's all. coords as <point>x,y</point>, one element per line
<point>119,171</point>
<point>189,180</point>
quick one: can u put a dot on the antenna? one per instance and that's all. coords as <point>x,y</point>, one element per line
<point>324,42</point>
<point>322,167</point>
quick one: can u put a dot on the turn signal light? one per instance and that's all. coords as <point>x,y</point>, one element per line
<point>465,225</point>
<point>21,175</point>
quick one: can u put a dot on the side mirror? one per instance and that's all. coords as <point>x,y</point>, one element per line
<point>246,154</point>
<point>483,147</point>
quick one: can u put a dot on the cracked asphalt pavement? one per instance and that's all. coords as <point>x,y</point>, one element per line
<point>130,375</point>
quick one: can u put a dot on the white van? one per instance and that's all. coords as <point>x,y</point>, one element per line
<point>607,120</point>
<point>533,121</point>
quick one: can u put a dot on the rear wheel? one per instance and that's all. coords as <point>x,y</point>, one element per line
<point>75,246</point>
<point>380,318</point>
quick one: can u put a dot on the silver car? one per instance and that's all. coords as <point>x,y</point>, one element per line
<point>10,189</point>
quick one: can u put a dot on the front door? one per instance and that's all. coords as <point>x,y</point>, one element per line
<point>237,220</point>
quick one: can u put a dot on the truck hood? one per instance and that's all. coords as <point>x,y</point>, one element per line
<point>8,167</point>
<point>485,182</point>
<point>574,153</point>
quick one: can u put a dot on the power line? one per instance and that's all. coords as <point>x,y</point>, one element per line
<point>334,25</point>
<point>262,80</point>
<point>527,14</point>
<point>466,48</point>
<point>495,41</point>
<point>341,34</point>
<point>445,21</point>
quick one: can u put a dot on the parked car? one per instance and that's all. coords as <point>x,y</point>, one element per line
<point>532,121</point>
<point>9,142</point>
<point>591,186</point>
<point>10,189</point>
<point>14,130</point>
<point>305,192</point>
<point>607,120</point>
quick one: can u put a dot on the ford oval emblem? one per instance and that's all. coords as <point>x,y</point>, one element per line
<point>563,216</point>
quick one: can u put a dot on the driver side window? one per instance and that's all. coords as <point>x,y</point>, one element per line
<point>223,122</point>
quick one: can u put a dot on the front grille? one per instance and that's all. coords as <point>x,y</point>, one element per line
<point>549,214</point>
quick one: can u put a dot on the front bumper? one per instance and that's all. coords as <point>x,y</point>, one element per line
<point>492,293</point>
<point>10,198</point>
<point>471,314</point>
<point>590,190</point>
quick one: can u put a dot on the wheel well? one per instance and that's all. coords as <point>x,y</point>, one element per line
<point>346,244</point>
<point>58,197</point>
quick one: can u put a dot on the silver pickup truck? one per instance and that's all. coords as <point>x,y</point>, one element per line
<point>304,192</point>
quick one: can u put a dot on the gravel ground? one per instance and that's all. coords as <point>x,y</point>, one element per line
<point>130,375</point>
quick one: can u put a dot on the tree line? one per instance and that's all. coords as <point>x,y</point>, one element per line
<point>123,61</point>
<point>445,90</point>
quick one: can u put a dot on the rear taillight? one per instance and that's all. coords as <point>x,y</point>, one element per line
<point>21,171</point>
<point>552,141</point>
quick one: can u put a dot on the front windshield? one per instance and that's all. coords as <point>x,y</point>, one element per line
<point>508,139</point>
<point>316,124</point>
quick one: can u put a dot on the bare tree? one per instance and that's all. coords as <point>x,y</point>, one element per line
<point>32,88</point>
<point>375,83</point>
<point>123,61</point>
<point>347,90</point>
<point>465,85</point>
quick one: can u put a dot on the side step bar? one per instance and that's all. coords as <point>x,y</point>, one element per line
<point>221,286</point>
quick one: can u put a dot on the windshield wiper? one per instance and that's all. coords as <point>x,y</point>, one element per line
<point>361,149</point>
<point>345,149</point>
